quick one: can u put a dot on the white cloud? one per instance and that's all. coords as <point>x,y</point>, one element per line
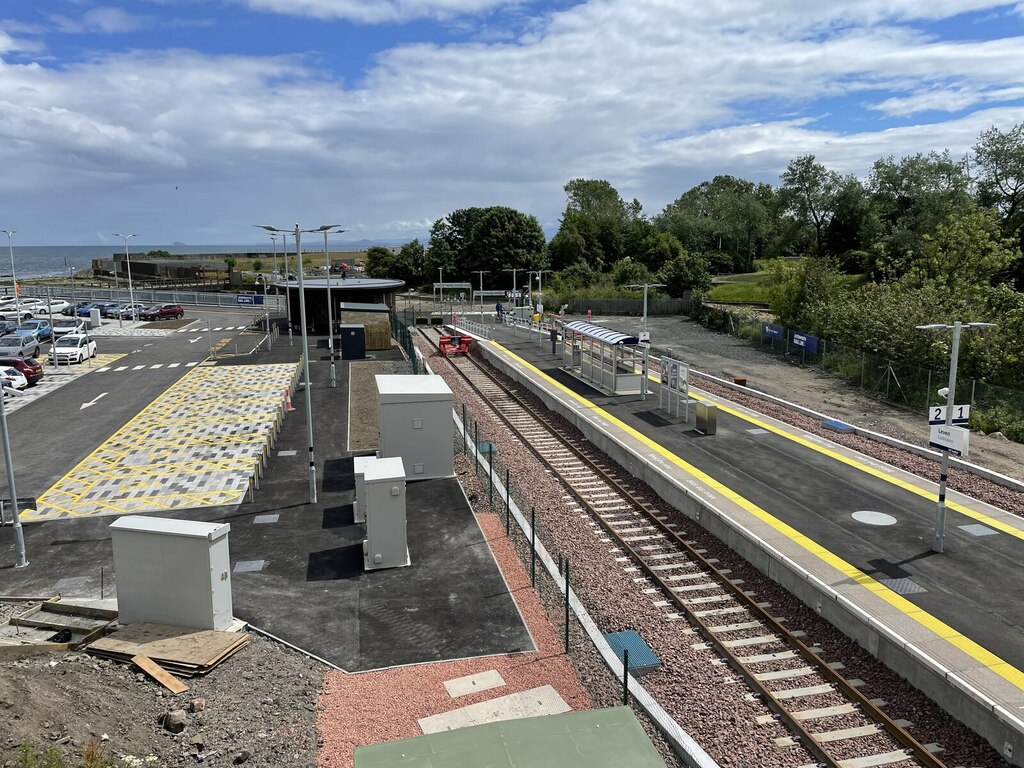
<point>102,19</point>
<point>378,11</point>
<point>654,95</point>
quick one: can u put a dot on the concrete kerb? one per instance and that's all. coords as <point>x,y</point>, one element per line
<point>684,745</point>
<point>942,685</point>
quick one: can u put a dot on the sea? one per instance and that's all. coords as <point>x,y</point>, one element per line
<point>56,260</point>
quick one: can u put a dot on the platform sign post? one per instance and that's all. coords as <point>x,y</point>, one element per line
<point>675,384</point>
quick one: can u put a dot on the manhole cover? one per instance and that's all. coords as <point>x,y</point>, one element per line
<point>868,517</point>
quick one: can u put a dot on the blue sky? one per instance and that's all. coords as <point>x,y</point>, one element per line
<point>191,120</point>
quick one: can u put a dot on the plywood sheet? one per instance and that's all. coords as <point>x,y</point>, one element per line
<point>162,643</point>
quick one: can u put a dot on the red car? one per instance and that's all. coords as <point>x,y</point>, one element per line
<point>33,371</point>
<point>162,312</point>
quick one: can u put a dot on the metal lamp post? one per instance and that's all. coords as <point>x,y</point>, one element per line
<point>287,279</point>
<point>273,239</point>
<point>14,276</point>
<point>956,327</point>
<point>19,534</point>
<point>297,234</point>
<point>481,272</point>
<point>330,319</point>
<point>645,286</point>
<point>131,293</point>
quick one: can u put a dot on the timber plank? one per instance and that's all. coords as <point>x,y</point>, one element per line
<point>158,673</point>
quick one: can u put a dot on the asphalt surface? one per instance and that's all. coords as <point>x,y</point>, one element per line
<point>301,575</point>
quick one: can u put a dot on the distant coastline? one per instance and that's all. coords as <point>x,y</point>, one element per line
<point>35,261</point>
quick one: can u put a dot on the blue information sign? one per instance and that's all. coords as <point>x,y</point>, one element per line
<point>805,342</point>
<point>248,298</point>
<point>771,331</point>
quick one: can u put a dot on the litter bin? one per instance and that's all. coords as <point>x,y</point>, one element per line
<point>707,418</point>
<point>94,318</point>
<point>554,341</point>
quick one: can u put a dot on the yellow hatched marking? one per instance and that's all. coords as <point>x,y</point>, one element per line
<point>980,654</point>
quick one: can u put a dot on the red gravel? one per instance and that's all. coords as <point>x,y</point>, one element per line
<point>375,707</point>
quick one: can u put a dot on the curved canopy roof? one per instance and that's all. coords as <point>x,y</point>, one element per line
<point>601,333</point>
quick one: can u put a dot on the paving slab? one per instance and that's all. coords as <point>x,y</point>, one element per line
<point>544,700</point>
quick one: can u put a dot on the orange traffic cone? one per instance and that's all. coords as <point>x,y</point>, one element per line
<point>288,407</point>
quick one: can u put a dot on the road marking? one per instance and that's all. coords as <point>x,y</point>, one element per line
<point>189,365</point>
<point>93,402</point>
<point>121,368</point>
<point>197,338</point>
<point>173,365</point>
<point>154,367</point>
<point>138,367</point>
<point>103,369</point>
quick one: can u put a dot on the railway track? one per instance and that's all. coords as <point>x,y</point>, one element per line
<point>823,712</point>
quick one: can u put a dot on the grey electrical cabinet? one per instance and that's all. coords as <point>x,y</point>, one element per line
<point>414,418</point>
<point>359,467</point>
<point>383,503</point>
<point>175,572</point>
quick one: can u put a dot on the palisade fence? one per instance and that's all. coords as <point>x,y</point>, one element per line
<point>579,306</point>
<point>993,408</point>
<point>151,296</point>
<point>550,570</point>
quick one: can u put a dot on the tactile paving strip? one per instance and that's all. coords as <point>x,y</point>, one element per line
<point>200,444</point>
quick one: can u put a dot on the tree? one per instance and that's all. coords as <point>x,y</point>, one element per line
<point>628,272</point>
<point>686,272</point>
<point>229,264</point>
<point>592,227</point>
<point>504,238</point>
<point>380,261</point>
<point>810,190</point>
<point>257,265</point>
<point>999,158</point>
<point>967,250</point>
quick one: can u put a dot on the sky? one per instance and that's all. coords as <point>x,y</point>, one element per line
<point>192,120</point>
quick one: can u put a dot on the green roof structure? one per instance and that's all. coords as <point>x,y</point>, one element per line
<point>599,738</point>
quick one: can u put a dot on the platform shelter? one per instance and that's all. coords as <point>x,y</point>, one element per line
<point>608,360</point>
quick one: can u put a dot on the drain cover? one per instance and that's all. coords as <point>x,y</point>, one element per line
<point>902,586</point>
<point>868,517</point>
<point>249,566</point>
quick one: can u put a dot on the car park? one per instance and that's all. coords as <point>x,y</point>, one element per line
<point>7,326</point>
<point>125,311</point>
<point>72,311</point>
<point>86,309</point>
<point>163,312</point>
<point>38,327</point>
<point>33,370</point>
<point>73,348</point>
<point>68,325</point>
<point>52,307</point>
<point>13,378</point>
<point>19,345</point>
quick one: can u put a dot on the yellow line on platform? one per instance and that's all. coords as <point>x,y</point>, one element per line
<point>973,649</point>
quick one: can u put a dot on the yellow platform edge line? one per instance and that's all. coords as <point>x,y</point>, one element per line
<point>973,649</point>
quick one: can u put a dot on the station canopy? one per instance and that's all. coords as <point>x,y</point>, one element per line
<point>599,332</point>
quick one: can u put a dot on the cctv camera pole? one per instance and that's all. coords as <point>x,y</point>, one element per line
<point>19,535</point>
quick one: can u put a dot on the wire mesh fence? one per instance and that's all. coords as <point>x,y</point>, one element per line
<point>993,408</point>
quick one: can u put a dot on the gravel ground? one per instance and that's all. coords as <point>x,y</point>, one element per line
<point>700,694</point>
<point>257,708</point>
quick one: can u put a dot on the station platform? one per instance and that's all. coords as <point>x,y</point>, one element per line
<point>850,536</point>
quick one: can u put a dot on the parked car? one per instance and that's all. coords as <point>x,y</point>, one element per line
<point>72,311</point>
<point>19,313</point>
<point>125,311</point>
<point>88,307</point>
<point>13,378</point>
<point>7,326</point>
<point>162,312</point>
<point>19,345</point>
<point>68,325</point>
<point>33,370</point>
<point>52,307</point>
<point>73,348</point>
<point>40,328</point>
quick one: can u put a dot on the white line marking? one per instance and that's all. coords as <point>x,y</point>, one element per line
<point>140,367</point>
<point>103,369</point>
<point>173,365</point>
<point>189,365</point>
<point>121,368</point>
<point>154,367</point>
<point>92,402</point>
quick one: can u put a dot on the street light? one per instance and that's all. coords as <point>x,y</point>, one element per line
<point>481,272</point>
<point>330,320</point>
<point>14,277</point>
<point>645,286</point>
<point>956,327</point>
<point>297,234</point>
<point>273,239</point>
<point>19,534</point>
<point>131,293</point>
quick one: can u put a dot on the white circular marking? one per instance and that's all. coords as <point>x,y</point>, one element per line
<point>868,517</point>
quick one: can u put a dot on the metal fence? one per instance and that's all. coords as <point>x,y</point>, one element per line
<point>153,296</point>
<point>993,408</point>
<point>579,306</point>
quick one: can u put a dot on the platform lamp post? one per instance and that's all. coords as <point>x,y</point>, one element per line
<point>297,234</point>
<point>481,272</point>
<point>645,286</point>
<point>335,229</point>
<point>956,327</point>
<point>14,276</point>
<point>128,261</point>
<point>19,534</point>
<point>440,288</point>
<point>287,288</point>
